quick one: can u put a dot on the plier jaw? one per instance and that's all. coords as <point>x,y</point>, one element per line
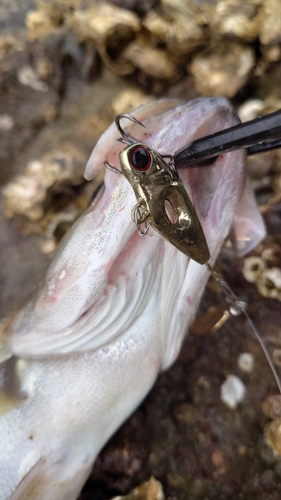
<point>256,136</point>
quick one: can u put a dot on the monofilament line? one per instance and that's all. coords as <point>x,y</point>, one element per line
<point>237,306</point>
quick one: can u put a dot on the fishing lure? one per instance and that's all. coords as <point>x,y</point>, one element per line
<point>163,202</point>
<point>161,197</point>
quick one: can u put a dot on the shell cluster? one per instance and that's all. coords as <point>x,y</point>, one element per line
<point>213,42</point>
<point>267,280</point>
<point>169,48</point>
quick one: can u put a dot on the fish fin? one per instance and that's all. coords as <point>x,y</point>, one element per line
<point>30,484</point>
<point>45,482</point>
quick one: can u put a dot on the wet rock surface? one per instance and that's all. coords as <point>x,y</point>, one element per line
<point>63,79</point>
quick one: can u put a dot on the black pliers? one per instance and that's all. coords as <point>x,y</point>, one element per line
<point>256,136</point>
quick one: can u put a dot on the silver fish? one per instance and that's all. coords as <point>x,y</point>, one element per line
<point>113,310</point>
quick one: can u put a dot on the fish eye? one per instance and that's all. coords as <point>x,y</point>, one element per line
<point>140,158</point>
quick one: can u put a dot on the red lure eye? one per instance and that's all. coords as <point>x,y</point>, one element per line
<point>140,158</point>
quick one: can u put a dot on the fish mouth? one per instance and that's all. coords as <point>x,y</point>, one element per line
<point>105,267</point>
<point>123,298</point>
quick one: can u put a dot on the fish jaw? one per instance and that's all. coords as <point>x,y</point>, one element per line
<point>73,383</point>
<point>99,282</point>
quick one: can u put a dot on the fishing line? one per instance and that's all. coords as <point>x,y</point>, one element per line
<point>236,307</point>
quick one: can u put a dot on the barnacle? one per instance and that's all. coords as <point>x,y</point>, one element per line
<point>272,435</point>
<point>252,268</point>
<point>269,283</point>
<point>267,280</point>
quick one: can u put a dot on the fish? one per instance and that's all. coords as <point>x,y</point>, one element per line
<point>113,309</point>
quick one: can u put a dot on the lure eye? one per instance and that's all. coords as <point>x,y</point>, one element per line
<point>140,158</point>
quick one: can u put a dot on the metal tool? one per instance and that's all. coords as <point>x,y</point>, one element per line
<point>256,136</point>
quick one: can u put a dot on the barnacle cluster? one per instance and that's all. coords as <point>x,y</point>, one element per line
<point>272,409</point>
<point>28,192</point>
<point>175,48</point>
<point>213,42</point>
<point>267,280</point>
<point>30,195</point>
<point>149,490</point>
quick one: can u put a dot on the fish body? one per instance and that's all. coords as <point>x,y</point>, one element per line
<point>113,310</point>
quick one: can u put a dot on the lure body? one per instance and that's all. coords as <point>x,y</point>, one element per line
<point>112,312</point>
<point>158,189</point>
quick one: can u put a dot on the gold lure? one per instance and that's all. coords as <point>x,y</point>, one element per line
<point>161,197</point>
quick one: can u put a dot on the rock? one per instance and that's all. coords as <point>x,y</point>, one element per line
<point>154,62</point>
<point>129,99</point>
<point>232,391</point>
<point>151,490</point>
<point>27,76</point>
<point>39,25</point>
<point>177,27</point>
<point>109,28</point>
<point>272,435</point>
<point>6,122</point>
<point>246,362</point>
<point>219,461</point>
<point>222,70</point>
<point>237,19</point>
<point>271,406</point>
<point>9,44</point>
<point>26,194</point>
<point>270,29</point>
<point>251,109</point>
<point>276,357</point>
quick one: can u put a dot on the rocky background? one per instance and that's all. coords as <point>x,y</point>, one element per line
<point>67,68</point>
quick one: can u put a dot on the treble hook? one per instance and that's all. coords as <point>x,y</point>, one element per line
<point>112,169</point>
<point>139,216</point>
<point>126,137</point>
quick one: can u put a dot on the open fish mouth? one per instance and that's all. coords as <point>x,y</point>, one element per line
<point>105,276</point>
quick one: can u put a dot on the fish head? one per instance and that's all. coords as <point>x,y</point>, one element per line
<point>107,280</point>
